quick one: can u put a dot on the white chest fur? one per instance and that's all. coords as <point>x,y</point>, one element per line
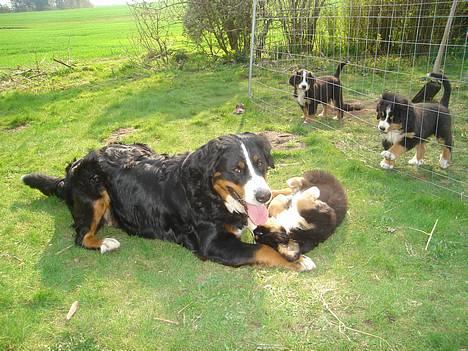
<point>301,97</point>
<point>393,136</point>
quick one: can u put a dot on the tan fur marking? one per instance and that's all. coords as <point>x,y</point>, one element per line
<point>397,150</point>
<point>221,186</point>
<point>420,151</point>
<point>100,207</point>
<point>289,250</point>
<point>278,205</point>
<point>267,256</point>
<point>231,229</point>
<point>285,191</point>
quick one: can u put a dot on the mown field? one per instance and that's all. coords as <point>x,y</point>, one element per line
<point>375,288</point>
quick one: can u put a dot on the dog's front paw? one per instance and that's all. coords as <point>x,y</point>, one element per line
<point>109,244</point>
<point>388,155</point>
<point>385,165</point>
<point>415,162</point>
<point>305,264</point>
<point>443,163</point>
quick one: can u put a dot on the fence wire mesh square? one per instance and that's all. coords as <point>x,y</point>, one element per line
<point>391,46</point>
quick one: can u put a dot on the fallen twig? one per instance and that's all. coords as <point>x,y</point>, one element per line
<point>63,250</point>
<point>166,321</point>
<point>63,63</point>
<point>6,254</point>
<point>428,234</point>
<point>341,324</point>
<point>72,310</point>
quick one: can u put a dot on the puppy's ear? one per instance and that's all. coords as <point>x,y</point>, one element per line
<point>266,148</point>
<point>404,113</point>
<point>310,78</point>
<point>292,79</point>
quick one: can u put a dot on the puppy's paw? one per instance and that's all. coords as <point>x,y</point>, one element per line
<point>388,155</point>
<point>385,165</point>
<point>305,264</point>
<point>289,251</point>
<point>109,244</point>
<point>443,163</point>
<point>415,162</point>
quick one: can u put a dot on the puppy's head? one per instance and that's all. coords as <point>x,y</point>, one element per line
<point>394,112</point>
<point>239,175</point>
<point>302,80</point>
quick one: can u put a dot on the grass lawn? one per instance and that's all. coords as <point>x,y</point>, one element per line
<point>375,288</point>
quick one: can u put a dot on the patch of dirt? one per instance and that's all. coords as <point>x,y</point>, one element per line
<point>367,107</point>
<point>283,141</point>
<point>117,135</point>
<point>16,127</point>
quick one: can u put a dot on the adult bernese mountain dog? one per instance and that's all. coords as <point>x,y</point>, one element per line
<point>303,215</point>
<point>310,91</point>
<point>405,125</point>
<point>201,200</point>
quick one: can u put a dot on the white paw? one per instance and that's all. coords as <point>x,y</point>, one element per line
<point>312,191</point>
<point>109,244</point>
<point>415,162</point>
<point>306,263</point>
<point>388,155</point>
<point>385,165</point>
<point>443,163</point>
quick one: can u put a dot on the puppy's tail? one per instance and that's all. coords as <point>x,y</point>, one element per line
<point>340,68</point>
<point>351,107</point>
<point>49,186</point>
<point>447,87</point>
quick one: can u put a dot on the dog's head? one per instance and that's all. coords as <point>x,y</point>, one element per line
<point>236,167</point>
<point>394,112</point>
<point>302,80</point>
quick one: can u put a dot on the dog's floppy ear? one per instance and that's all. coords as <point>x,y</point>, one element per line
<point>292,79</point>
<point>403,113</point>
<point>202,162</point>
<point>266,148</point>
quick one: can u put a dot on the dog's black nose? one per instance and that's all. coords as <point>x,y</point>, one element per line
<point>382,128</point>
<point>263,195</point>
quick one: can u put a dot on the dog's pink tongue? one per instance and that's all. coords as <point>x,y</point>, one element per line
<point>258,214</point>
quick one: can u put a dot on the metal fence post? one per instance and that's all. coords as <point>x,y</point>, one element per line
<point>252,44</point>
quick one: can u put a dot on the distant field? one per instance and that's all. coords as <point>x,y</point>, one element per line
<point>81,33</point>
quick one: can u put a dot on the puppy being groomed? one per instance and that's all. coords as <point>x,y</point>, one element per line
<point>303,215</point>
<point>405,125</point>
<point>310,91</point>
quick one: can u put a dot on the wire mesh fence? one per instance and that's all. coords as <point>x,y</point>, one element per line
<point>390,46</point>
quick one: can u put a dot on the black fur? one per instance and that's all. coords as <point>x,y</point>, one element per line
<point>416,122</point>
<point>325,90</point>
<point>325,214</point>
<point>163,197</point>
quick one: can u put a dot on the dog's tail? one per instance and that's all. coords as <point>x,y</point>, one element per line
<point>351,107</point>
<point>447,87</point>
<point>49,186</point>
<point>340,68</point>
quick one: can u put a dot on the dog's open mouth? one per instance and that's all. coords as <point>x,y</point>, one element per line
<point>258,214</point>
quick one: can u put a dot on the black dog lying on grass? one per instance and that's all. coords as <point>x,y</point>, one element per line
<point>201,200</point>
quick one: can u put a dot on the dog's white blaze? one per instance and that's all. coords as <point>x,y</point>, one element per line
<point>256,181</point>
<point>304,86</point>
<point>384,125</point>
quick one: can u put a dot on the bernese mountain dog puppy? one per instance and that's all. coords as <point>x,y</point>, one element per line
<point>405,125</point>
<point>310,91</point>
<point>201,200</point>
<point>303,215</point>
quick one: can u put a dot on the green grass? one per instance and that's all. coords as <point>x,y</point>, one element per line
<point>28,37</point>
<point>373,273</point>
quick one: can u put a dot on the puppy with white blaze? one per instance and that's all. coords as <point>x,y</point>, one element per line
<point>404,126</point>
